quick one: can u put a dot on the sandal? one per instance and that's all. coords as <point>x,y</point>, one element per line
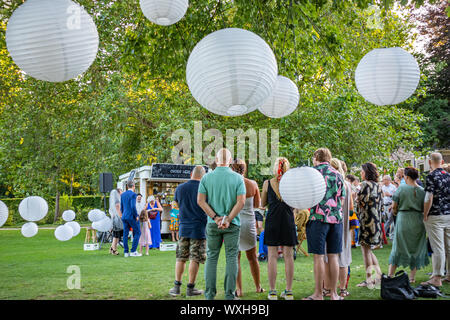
<point>429,283</point>
<point>236,293</point>
<point>326,292</point>
<point>343,293</point>
<point>362,284</point>
<point>310,298</point>
<point>261,290</point>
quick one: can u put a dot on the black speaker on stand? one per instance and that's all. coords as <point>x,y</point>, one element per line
<point>106,185</point>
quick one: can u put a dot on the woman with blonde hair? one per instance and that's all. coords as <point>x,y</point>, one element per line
<point>279,230</point>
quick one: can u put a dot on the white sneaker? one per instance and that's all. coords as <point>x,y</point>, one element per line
<point>135,254</point>
<point>126,254</point>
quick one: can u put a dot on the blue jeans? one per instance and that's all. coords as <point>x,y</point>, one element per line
<point>127,224</point>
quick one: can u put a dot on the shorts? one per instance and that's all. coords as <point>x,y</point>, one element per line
<point>117,234</point>
<point>191,249</point>
<point>259,216</point>
<point>320,234</point>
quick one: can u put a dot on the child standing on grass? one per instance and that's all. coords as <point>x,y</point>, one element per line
<point>174,221</point>
<point>145,239</point>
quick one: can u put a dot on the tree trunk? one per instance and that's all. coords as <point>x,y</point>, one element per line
<point>56,206</point>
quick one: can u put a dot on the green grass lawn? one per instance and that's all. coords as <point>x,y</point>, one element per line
<point>36,268</point>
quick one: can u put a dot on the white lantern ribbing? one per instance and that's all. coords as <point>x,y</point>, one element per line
<point>231,72</point>
<point>63,233</point>
<point>96,215</point>
<point>283,101</point>
<point>103,225</point>
<point>33,208</point>
<point>75,227</point>
<point>68,215</point>
<point>387,76</point>
<point>302,188</point>
<point>52,40</point>
<point>29,229</point>
<point>3,213</point>
<point>164,12</point>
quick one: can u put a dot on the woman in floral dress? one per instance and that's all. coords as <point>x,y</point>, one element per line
<point>370,205</point>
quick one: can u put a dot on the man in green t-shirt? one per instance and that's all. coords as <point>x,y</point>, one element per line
<point>221,194</point>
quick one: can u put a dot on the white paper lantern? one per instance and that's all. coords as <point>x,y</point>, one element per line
<point>29,229</point>
<point>283,101</point>
<point>75,227</point>
<point>68,215</point>
<point>33,208</point>
<point>387,76</point>
<point>3,213</point>
<point>231,72</point>
<point>96,215</point>
<point>52,40</point>
<point>63,233</point>
<point>302,188</point>
<point>164,12</point>
<point>103,225</point>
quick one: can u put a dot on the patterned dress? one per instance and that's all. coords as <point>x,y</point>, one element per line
<point>370,209</point>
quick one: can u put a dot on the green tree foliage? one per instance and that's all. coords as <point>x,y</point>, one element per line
<point>121,113</point>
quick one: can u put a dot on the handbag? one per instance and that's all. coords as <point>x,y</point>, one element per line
<point>397,287</point>
<point>152,215</point>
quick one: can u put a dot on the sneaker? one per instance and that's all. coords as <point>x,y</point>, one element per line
<point>287,295</point>
<point>190,292</point>
<point>135,254</point>
<point>126,254</point>
<point>272,295</point>
<point>175,291</point>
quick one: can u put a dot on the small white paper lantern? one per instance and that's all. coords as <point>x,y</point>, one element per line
<point>68,215</point>
<point>283,101</point>
<point>75,227</point>
<point>29,229</point>
<point>33,208</point>
<point>164,12</point>
<point>63,233</point>
<point>3,213</point>
<point>302,188</point>
<point>387,76</point>
<point>96,215</point>
<point>103,225</point>
<point>52,40</point>
<point>231,72</point>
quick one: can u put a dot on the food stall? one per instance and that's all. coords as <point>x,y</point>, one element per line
<point>160,180</point>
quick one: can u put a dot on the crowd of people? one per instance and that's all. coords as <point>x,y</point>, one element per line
<point>221,208</point>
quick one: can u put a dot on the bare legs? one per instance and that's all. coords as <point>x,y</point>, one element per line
<point>288,254</point>
<point>412,275</point>
<point>370,263</point>
<point>193,270</point>
<point>114,243</point>
<point>254,269</point>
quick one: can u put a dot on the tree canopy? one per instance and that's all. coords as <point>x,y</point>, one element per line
<point>122,112</point>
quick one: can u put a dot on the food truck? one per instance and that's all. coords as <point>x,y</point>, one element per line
<point>160,180</point>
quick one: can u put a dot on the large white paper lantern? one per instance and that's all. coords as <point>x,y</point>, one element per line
<point>29,229</point>
<point>52,40</point>
<point>3,213</point>
<point>33,208</point>
<point>231,72</point>
<point>283,101</point>
<point>75,227</point>
<point>164,12</point>
<point>68,215</point>
<point>103,225</point>
<point>96,215</point>
<point>64,233</point>
<point>302,188</point>
<point>387,76</point>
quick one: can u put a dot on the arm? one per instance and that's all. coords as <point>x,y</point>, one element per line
<point>201,201</point>
<point>394,208</point>
<point>240,202</point>
<point>264,194</point>
<point>159,206</point>
<point>119,212</point>
<point>427,205</point>
<point>257,197</point>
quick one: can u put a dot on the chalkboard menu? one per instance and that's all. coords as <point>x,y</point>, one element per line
<point>172,171</point>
